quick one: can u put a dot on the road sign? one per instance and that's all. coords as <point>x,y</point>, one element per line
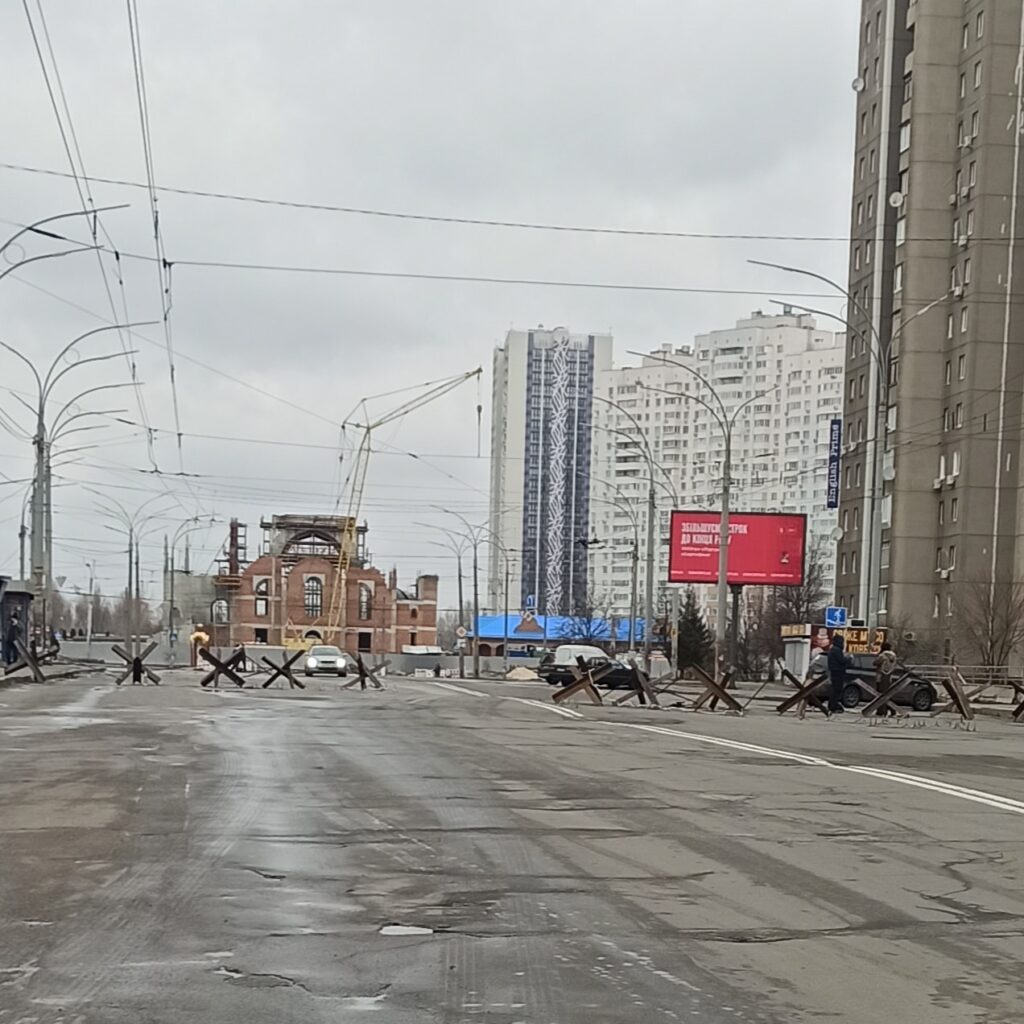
<point>835,618</point>
<point>460,632</point>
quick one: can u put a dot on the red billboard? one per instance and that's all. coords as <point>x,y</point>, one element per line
<point>765,548</point>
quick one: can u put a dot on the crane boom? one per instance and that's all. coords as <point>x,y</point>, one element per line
<point>357,482</point>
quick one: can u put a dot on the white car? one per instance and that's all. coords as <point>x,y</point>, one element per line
<point>326,659</point>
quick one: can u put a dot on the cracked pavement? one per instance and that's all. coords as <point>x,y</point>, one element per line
<point>418,855</point>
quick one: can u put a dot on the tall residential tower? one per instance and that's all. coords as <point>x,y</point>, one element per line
<point>931,485</point>
<point>540,467</point>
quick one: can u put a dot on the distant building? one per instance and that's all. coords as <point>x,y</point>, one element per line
<point>779,447</point>
<point>288,594</point>
<point>540,466</point>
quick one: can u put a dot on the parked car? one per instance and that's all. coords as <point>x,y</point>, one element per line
<point>558,670</point>
<point>918,694</point>
<point>554,666</point>
<point>324,659</point>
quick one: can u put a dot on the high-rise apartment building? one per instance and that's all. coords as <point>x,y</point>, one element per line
<point>540,467</point>
<point>779,444</point>
<point>931,486</point>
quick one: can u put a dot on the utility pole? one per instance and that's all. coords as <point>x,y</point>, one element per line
<point>476,608</point>
<point>723,550</point>
<point>462,606</point>
<point>88,609</point>
<point>128,595</point>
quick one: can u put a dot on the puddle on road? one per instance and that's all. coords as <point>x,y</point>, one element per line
<point>405,929</point>
<point>363,1002</point>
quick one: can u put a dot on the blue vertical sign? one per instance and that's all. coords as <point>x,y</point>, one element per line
<point>835,444</point>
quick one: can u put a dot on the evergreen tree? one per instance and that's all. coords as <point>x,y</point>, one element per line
<point>696,645</point>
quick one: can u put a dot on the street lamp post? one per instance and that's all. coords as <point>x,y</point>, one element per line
<point>457,545</point>
<point>651,512</point>
<point>623,505</point>
<point>882,354</point>
<point>725,421</point>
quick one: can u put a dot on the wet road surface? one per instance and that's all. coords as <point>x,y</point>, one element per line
<point>449,854</point>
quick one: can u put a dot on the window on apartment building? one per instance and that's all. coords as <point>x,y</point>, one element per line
<point>856,257</point>
<point>956,228</point>
<point>958,180</point>
<point>960,135</point>
<point>872,161</point>
<point>967,270</point>
<point>965,37</point>
<point>897,278</point>
<point>867,31</point>
<point>904,183</point>
<point>954,510</point>
<point>951,562</point>
<point>313,596</point>
<point>908,88</point>
<point>975,124</point>
<point>904,136</point>
<point>901,230</point>
<point>261,607</point>
<point>979,24</point>
<point>860,213</point>
<point>856,519</point>
<point>949,328</point>
<point>846,478</point>
<point>970,222</point>
<point>894,372</point>
<point>853,561</point>
<point>890,419</point>
<point>947,420</point>
<point>936,604</point>
<point>853,389</point>
<point>874,115</point>
<point>842,563</point>
<point>885,554</point>
<point>977,75</point>
<point>955,468</point>
<point>846,519</point>
<point>871,206</point>
<point>972,173</point>
<point>958,415</point>
<point>942,512</point>
<point>963,84</point>
<point>860,168</point>
<point>949,603</point>
<point>864,123</point>
<point>947,377</point>
<point>964,319</point>
<point>878,25</point>
<point>860,385</point>
<point>874,72</point>
<point>961,367</point>
<point>869,248</point>
<point>938,559</point>
<point>856,475</point>
<point>883,599</point>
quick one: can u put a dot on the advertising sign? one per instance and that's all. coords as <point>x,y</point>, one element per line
<point>765,548</point>
<point>835,444</point>
<point>856,639</point>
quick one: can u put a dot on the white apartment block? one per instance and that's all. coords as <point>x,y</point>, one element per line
<point>779,446</point>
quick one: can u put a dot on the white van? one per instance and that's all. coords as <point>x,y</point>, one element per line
<point>555,668</point>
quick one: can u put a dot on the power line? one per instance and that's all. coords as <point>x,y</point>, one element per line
<point>80,177</point>
<point>163,267</point>
<point>436,219</point>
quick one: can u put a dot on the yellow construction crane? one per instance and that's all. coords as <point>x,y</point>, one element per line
<point>367,424</point>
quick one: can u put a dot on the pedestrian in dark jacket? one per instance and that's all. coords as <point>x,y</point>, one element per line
<point>10,652</point>
<point>838,662</point>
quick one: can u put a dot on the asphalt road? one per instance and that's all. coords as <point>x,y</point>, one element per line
<point>447,854</point>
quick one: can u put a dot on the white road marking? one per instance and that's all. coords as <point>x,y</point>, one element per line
<point>564,712</point>
<point>977,796</point>
<point>451,686</point>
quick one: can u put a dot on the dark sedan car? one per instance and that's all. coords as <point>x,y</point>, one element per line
<point>918,694</point>
<point>621,674</point>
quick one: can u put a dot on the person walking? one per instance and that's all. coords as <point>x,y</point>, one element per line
<point>838,662</point>
<point>10,652</point>
<point>885,665</point>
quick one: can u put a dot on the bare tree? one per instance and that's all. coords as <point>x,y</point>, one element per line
<point>589,622</point>
<point>989,620</point>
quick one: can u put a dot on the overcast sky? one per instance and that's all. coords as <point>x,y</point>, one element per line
<point>732,117</point>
